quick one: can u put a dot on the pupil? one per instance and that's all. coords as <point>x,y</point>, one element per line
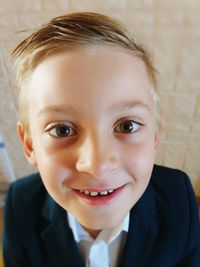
<point>127,127</point>
<point>62,131</point>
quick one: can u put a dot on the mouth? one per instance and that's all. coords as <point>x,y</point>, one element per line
<point>97,193</point>
<point>102,197</point>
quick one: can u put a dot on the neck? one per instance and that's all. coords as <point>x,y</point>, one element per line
<point>93,233</point>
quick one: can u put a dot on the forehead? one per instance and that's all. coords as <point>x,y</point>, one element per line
<point>102,56</point>
<point>99,74</point>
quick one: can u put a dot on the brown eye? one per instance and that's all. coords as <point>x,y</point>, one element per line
<point>61,131</point>
<point>127,127</point>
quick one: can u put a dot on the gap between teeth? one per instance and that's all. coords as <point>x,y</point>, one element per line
<point>94,194</point>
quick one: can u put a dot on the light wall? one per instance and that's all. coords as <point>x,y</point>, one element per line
<point>171,31</point>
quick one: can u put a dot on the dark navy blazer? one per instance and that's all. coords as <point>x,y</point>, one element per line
<point>164,229</point>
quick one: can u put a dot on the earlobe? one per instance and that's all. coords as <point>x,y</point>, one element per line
<point>27,144</point>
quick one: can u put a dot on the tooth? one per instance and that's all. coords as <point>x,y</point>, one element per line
<point>93,194</point>
<point>110,191</point>
<point>103,193</point>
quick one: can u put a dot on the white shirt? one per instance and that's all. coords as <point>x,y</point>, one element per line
<point>105,249</point>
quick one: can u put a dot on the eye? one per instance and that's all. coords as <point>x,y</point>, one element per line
<point>61,130</point>
<point>127,126</point>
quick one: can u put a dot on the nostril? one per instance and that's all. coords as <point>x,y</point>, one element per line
<point>96,168</point>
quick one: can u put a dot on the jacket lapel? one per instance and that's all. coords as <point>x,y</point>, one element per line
<point>58,238</point>
<point>142,231</point>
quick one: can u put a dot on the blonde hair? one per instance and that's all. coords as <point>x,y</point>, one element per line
<point>73,30</point>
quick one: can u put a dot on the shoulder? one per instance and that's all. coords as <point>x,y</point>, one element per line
<point>26,195</point>
<point>27,187</point>
<point>170,180</point>
<point>167,173</point>
<point>177,212</point>
<point>27,182</point>
<point>174,194</point>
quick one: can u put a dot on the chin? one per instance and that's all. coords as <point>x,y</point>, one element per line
<point>99,223</point>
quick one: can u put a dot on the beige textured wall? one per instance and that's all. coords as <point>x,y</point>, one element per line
<point>171,30</point>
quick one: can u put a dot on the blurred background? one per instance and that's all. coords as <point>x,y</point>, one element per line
<point>169,29</point>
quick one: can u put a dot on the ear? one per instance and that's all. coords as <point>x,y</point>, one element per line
<point>27,144</point>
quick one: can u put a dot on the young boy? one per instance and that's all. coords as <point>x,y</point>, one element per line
<point>89,123</point>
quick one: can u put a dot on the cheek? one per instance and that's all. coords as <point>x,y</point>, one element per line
<point>139,160</point>
<point>49,157</point>
<point>54,167</point>
<point>56,178</point>
<point>54,162</point>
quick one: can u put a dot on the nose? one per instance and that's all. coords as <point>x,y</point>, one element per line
<point>96,157</point>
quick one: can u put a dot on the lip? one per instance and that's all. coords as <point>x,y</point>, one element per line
<point>99,200</point>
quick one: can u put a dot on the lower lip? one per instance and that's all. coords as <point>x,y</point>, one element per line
<point>100,200</point>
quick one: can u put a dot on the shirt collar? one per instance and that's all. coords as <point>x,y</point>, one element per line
<point>107,235</point>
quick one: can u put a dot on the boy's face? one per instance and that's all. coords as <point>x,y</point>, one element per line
<point>93,132</point>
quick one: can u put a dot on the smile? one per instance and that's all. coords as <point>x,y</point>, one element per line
<point>99,198</point>
<point>95,193</point>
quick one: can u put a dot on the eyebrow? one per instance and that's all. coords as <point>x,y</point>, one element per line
<point>126,105</point>
<point>56,109</point>
<point>122,106</point>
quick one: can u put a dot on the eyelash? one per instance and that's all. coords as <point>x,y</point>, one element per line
<point>131,123</point>
<point>70,131</point>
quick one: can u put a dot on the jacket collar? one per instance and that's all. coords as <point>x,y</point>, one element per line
<point>58,237</point>
<point>142,230</point>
